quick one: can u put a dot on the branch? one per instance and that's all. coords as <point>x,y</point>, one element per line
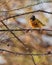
<point>18,53</point>
<point>35,29</point>
<point>33,60</point>
<point>15,35</point>
<point>28,6</point>
<point>26,14</point>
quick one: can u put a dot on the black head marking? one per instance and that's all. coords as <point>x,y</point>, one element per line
<point>33,18</point>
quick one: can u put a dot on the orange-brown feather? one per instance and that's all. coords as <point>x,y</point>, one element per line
<point>35,24</point>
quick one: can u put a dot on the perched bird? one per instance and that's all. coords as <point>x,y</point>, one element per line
<point>35,23</point>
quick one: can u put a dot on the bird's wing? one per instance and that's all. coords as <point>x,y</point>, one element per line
<point>40,22</point>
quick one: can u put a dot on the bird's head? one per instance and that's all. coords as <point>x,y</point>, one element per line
<point>33,18</point>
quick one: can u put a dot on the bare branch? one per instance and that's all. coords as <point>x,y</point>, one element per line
<point>28,6</point>
<point>26,14</point>
<point>18,53</point>
<point>14,35</point>
<point>33,60</point>
<point>35,29</point>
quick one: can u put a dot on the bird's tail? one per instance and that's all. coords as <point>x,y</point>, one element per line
<point>42,24</point>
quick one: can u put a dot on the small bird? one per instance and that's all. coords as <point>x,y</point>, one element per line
<point>35,23</point>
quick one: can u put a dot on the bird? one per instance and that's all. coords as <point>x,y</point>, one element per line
<point>35,23</point>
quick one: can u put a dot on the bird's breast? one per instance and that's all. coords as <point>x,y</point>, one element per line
<point>34,24</point>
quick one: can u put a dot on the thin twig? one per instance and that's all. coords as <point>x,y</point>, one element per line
<point>27,6</point>
<point>33,60</point>
<point>26,13</point>
<point>18,53</point>
<point>35,29</point>
<point>14,34</point>
<point>17,38</point>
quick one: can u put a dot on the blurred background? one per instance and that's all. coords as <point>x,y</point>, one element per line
<point>38,43</point>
